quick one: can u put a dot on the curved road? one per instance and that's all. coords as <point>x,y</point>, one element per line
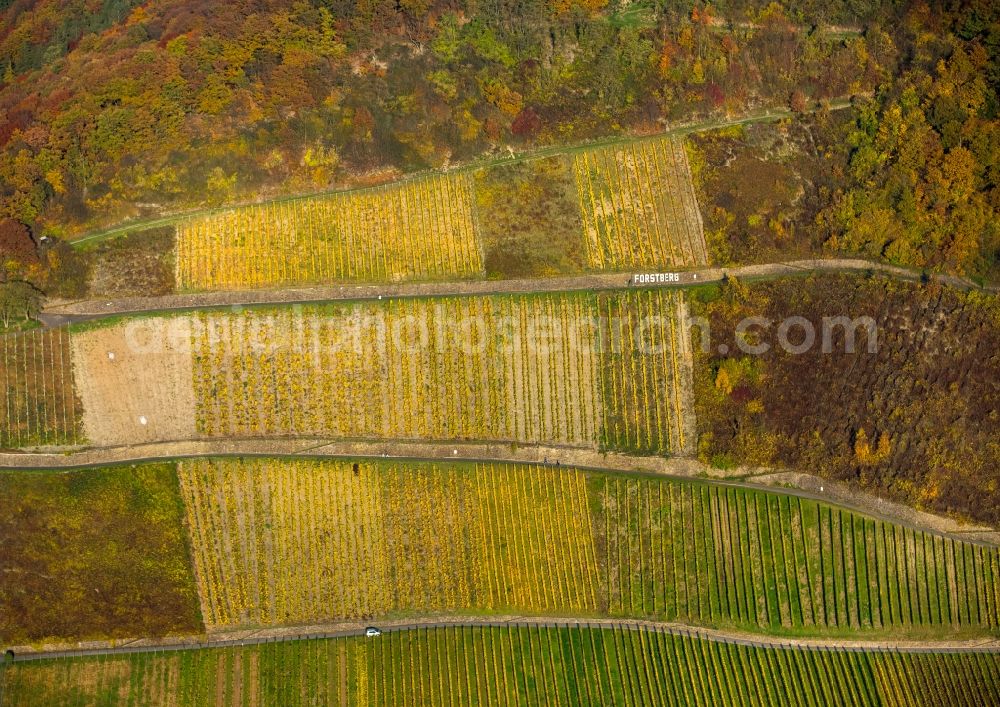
<point>679,468</point>
<point>245,638</point>
<point>60,313</point>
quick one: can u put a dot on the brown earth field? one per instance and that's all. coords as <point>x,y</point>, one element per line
<point>97,553</point>
<point>134,381</point>
<point>915,419</point>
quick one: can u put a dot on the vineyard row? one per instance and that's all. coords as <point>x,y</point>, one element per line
<point>422,229</point>
<point>283,541</point>
<point>506,368</point>
<point>301,541</point>
<point>509,665</point>
<point>39,406</point>
<point>639,207</point>
<point>710,554</point>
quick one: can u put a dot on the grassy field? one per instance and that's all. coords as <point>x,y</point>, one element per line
<point>285,541</point>
<point>625,205</point>
<point>96,553</point>
<point>502,665</point>
<point>39,403</point>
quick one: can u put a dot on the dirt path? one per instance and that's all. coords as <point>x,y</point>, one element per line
<point>723,24</point>
<point>339,630</point>
<point>60,313</point>
<point>804,486</point>
<point>757,116</point>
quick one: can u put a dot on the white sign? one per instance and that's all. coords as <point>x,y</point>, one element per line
<point>655,278</point>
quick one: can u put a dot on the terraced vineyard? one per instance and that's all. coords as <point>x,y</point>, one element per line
<point>609,370</point>
<point>40,406</point>
<point>645,373</point>
<point>503,665</point>
<point>292,541</point>
<point>726,555</point>
<point>530,369</point>
<point>631,205</point>
<point>501,368</point>
<point>639,207</point>
<point>419,229</point>
<point>299,541</point>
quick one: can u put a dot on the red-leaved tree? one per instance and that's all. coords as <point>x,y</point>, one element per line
<point>16,243</point>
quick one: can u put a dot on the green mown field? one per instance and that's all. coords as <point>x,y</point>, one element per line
<point>503,665</point>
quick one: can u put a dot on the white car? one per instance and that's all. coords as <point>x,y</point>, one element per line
<point>371,632</point>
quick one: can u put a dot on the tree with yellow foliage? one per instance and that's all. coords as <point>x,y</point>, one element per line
<point>723,383</point>
<point>863,452</point>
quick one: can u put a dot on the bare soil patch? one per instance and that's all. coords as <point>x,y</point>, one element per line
<point>134,379</point>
